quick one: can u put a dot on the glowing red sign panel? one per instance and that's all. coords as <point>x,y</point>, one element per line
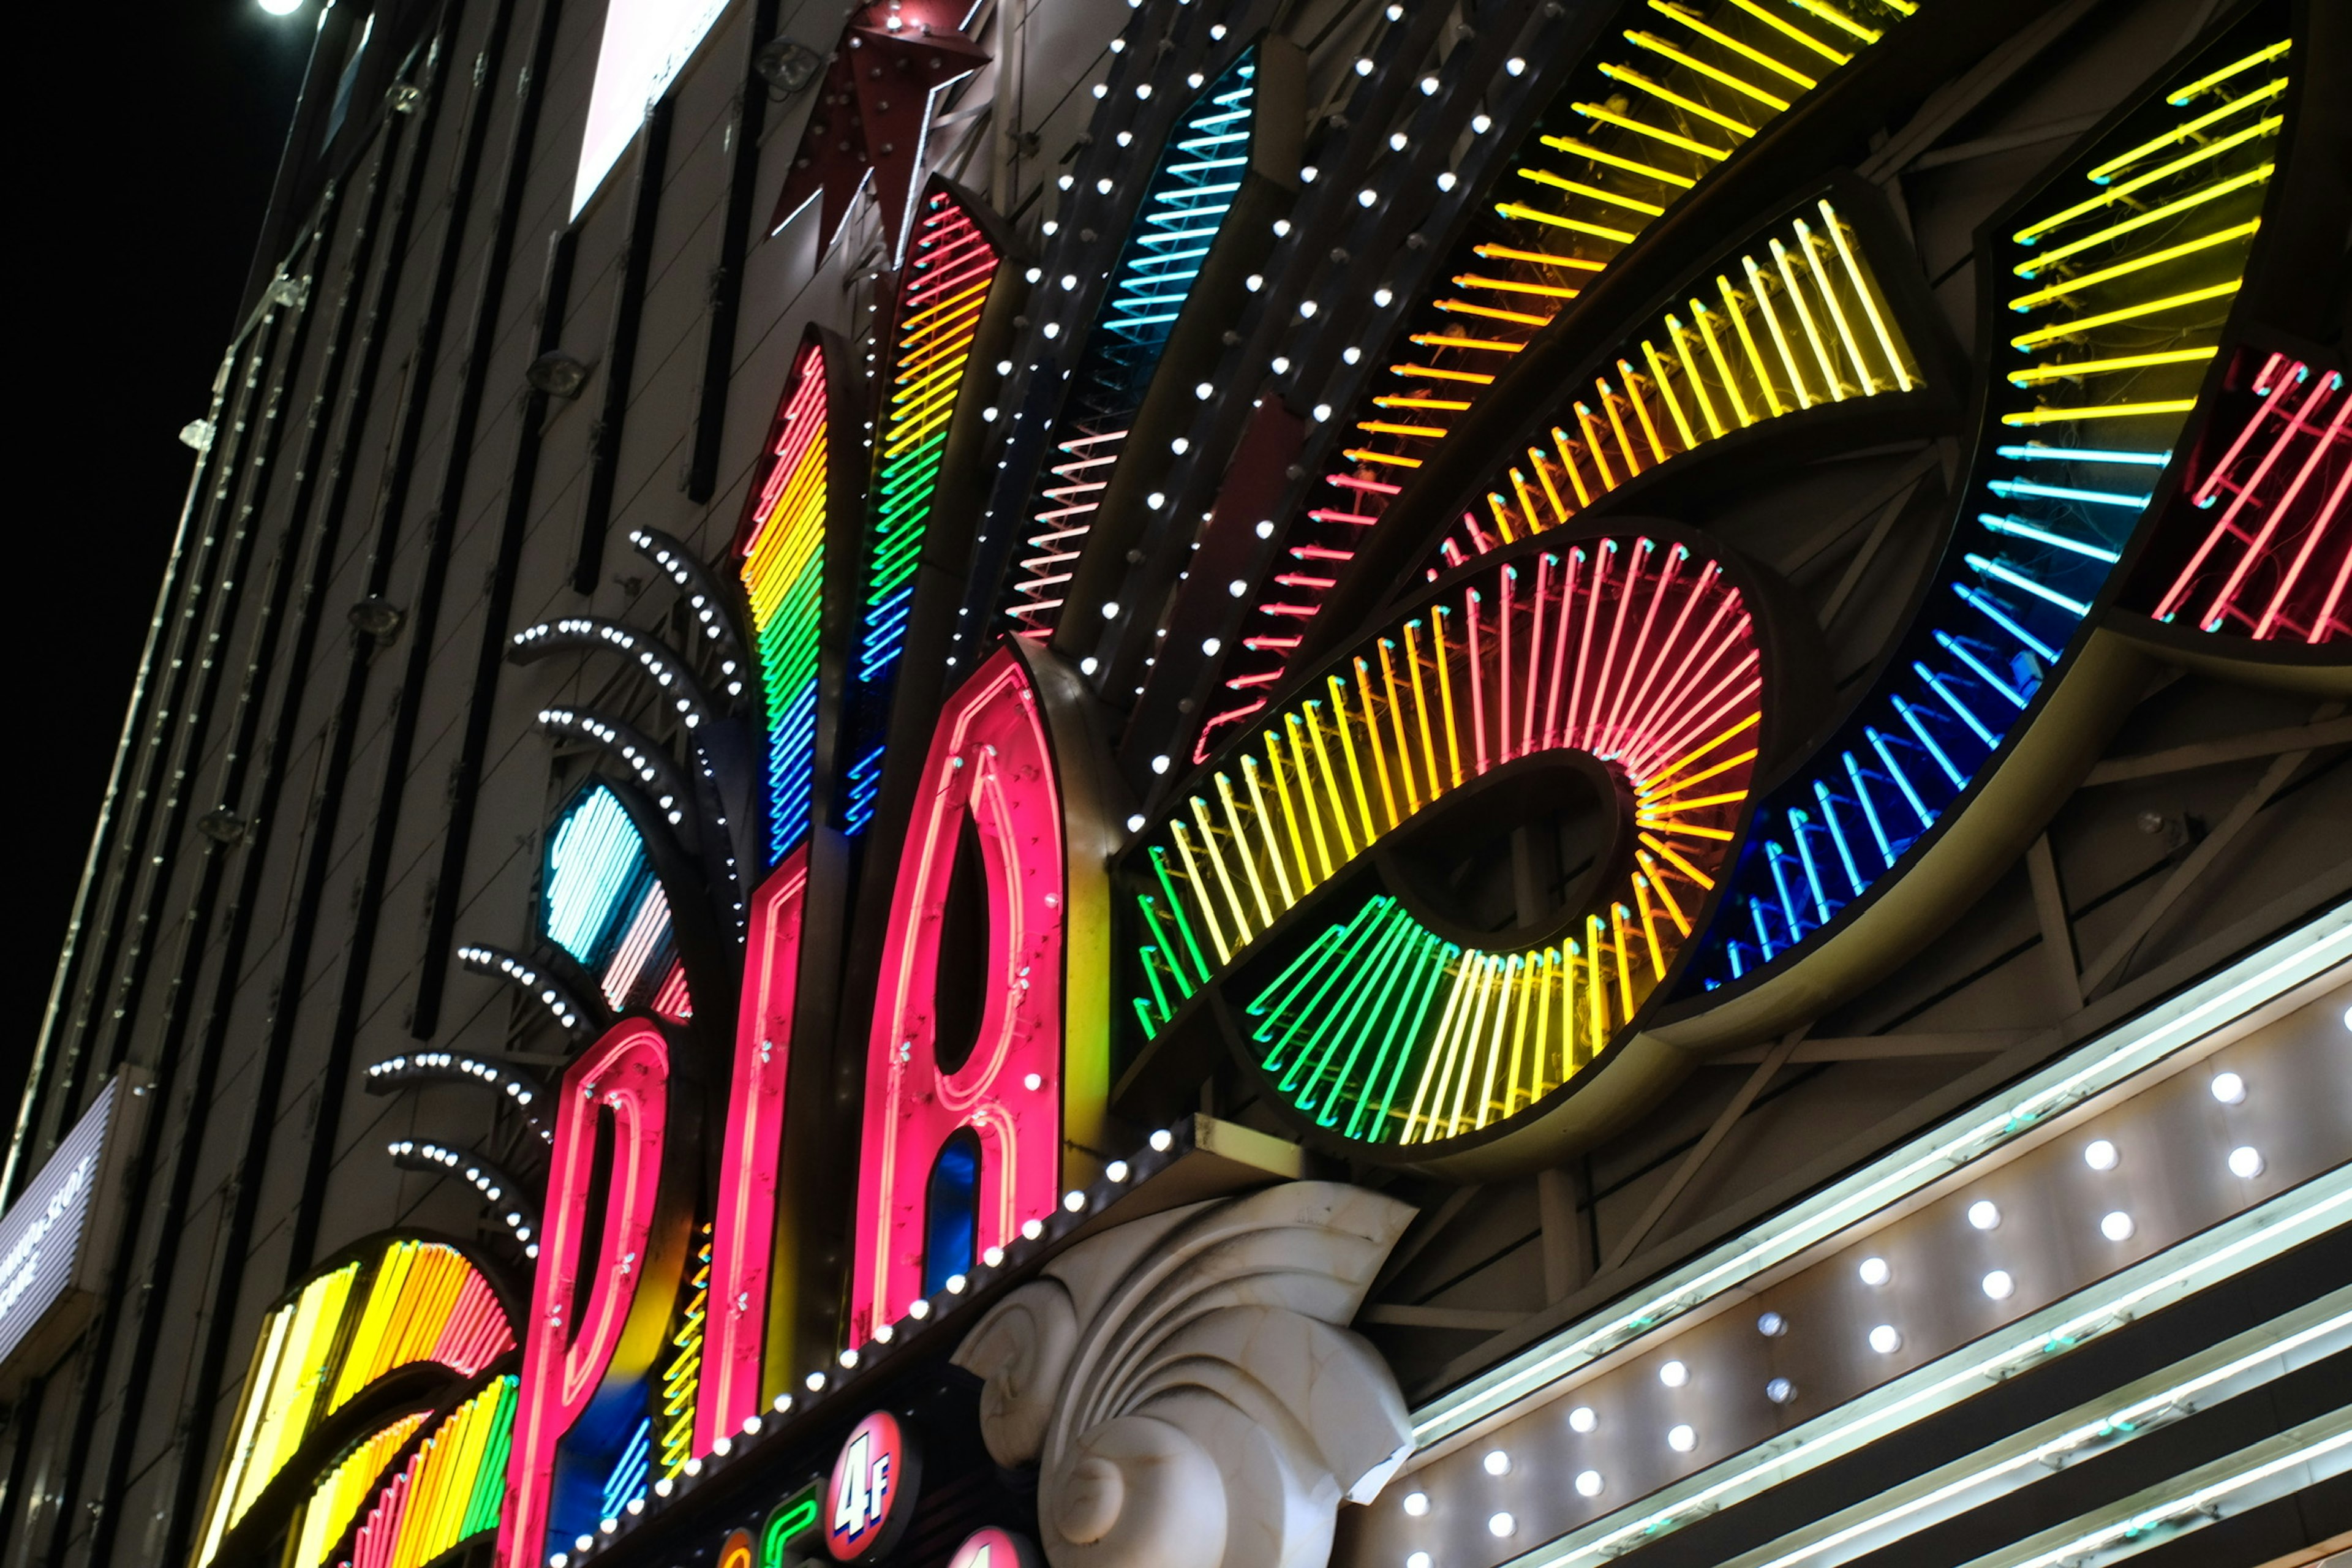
<point>994,1548</point>
<point>869,1496</point>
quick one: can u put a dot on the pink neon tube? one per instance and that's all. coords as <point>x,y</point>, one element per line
<point>627,1073</point>
<point>742,1232</point>
<point>990,760</point>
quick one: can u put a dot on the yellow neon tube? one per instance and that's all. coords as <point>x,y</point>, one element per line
<point>1445,696</point>
<point>1836,227</point>
<point>2203,83</point>
<point>2136,264</point>
<point>1596,997</point>
<point>1806,237</point>
<point>1551,491</point>
<point>1666,390</point>
<point>1656,814</point>
<point>1717,36</point>
<point>1652,795</point>
<point>2114,194</point>
<point>1625,978</point>
<point>1540,257</point>
<point>1549,960</point>
<point>1440,1047</point>
<point>1384,427</point>
<point>1306,795</point>
<point>1756,286</point>
<point>1396,723</point>
<point>1617,422</point>
<point>1674,858</point>
<point>1592,447</point>
<point>1366,454</point>
<point>1266,831</point>
<point>1511,286</point>
<point>1657,45</point>
<point>1631,77</point>
<point>2187,129</point>
<point>1568,463</point>
<point>1200,892</point>
<point>1471,377</point>
<point>1747,345</point>
<point>2039,375</point>
<point>1838,19</point>
<point>1431,341</point>
<point>2035,264</point>
<point>1722,366</point>
<point>1494,992</point>
<point>1632,166</point>
<point>1527,500</point>
<point>1598,231</point>
<point>1608,116</point>
<point>1451,404</point>
<point>1665,826</point>
<point>1372,741</point>
<point>1650,928</point>
<point>1289,808</point>
<point>1348,751</point>
<point>1241,850</point>
<point>1805,315</point>
<point>1771,20</point>
<point>2057,329</point>
<point>1665,894</point>
<point>1558,182</point>
<point>1421,706</point>
<point>1242,932</point>
<point>1640,409</point>
<point>1331,784</point>
<point>1492,313</point>
<point>1689,362</point>
<point>2107,411</point>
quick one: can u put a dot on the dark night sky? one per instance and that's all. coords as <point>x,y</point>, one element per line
<point>149,146</point>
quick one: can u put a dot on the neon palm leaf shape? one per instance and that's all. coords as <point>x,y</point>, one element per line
<point>1633,653</point>
<point>1655,112</point>
<point>601,904</point>
<point>2273,562</point>
<point>782,567</point>
<point>450,1490</point>
<point>402,1303</point>
<point>2122,275</point>
<point>949,272</point>
<point>1183,208</point>
<point>1803,326</point>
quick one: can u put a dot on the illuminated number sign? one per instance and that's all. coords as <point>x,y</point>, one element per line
<point>994,1548</point>
<point>863,1510</point>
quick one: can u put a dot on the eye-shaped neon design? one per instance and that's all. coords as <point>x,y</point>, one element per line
<point>2125,267</point>
<point>1624,671</point>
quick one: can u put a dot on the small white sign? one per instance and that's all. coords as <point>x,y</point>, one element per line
<point>54,1238</point>
<point>646,43</point>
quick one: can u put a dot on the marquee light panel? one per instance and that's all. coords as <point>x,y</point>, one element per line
<point>782,569</point>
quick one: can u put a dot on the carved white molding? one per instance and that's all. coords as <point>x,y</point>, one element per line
<point>1188,1388</point>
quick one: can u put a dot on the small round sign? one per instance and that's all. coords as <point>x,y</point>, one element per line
<point>989,1547</point>
<point>870,1496</point>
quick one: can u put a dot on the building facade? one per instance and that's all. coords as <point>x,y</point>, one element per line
<point>1163,785</point>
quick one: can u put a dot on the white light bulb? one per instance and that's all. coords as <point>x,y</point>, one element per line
<point>1497,1462</point>
<point>1885,1338</point>
<point>1780,1391</point>
<point>1501,1524</point>
<point>1875,1271</point>
<point>1416,1503</point>
<point>2100,1155</point>
<point>1581,1419</point>
<point>1134,823</point>
<point>2117,1227</point>
<point>1983,1213</point>
<point>1588,1483</point>
<point>1999,1285</point>
<point>1681,1439</point>
<point>1674,1374</point>
<point>1417,1559</point>
<point>2245,1162</point>
<point>1160,763</point>
<point>2229,1087</point>
<point>281,7</point>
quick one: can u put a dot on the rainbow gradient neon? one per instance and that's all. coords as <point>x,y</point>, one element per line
<point>449,1491</point>
<point>1636,653</point>
<point>410,1302</point>
<point>950,271</point>
<point>990,762</point>
<point>626,1074</point>
<point>782,568</point>
<point>328,1513</point>
<point>2127,290</point>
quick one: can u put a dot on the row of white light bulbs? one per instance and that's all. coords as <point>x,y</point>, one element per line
<point>1076,1201</point>
<point>2246,1162</point>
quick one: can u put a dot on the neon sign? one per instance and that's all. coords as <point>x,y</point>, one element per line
<point>994,1548</point>
<point>865,1499</point>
